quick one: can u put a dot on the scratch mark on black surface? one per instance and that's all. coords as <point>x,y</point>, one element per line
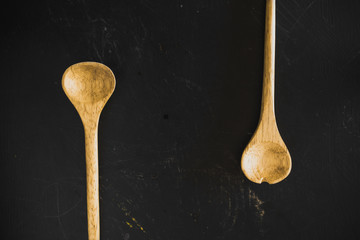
<point>58,211</point>
<point>297,20</point>
<point>132,222</point>
<point>65,212</point>
<point>295,2</point>
<point>257,16</point>
<point>148,5</point>
<point>257,203</point>
<point>278,25</point>
<point>97,52</point>
<point>188,83</point>
<point>281,12</point>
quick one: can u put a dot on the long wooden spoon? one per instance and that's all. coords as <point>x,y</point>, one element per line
<point>89,85</point>
<point>266,158</point>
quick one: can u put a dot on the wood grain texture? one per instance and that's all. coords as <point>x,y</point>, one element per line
<point>266,158</point>
<point>89,85</point>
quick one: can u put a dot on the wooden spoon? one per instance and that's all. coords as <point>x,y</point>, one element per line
<point>266,157</point>
<point>89,85</point>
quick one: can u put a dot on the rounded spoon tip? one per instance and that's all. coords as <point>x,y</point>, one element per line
<point>266,162</point>
<point>88,82</point>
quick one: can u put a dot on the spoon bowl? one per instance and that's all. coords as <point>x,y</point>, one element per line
<point>88,82</point>
<point>266,162</point>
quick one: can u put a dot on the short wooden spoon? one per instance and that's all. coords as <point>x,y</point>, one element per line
<point>266,158</point>
<point>89,85</point>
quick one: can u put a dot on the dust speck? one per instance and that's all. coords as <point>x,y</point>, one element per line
<point>126,236</point>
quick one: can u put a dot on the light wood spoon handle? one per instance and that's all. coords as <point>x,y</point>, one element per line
<point>92,181</point>
<point>267,106</point>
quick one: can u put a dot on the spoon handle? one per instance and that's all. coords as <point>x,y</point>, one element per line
<point>92,180</point>
<point>267,114</point>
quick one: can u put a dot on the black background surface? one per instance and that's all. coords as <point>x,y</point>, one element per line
<point>187,100</point>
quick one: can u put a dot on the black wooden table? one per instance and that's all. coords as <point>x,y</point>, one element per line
<point>187,100</point>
